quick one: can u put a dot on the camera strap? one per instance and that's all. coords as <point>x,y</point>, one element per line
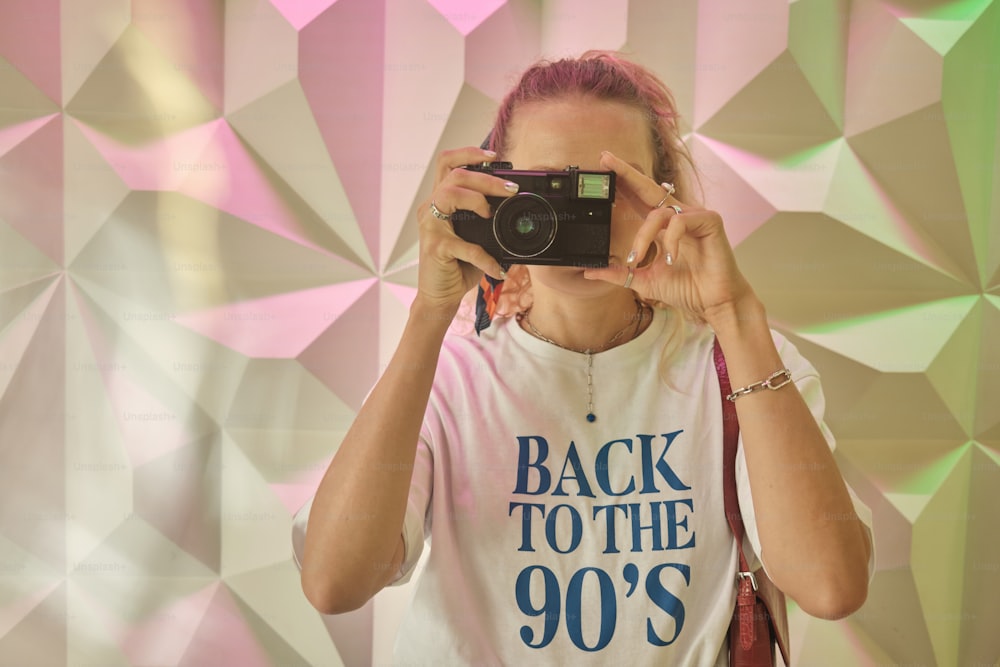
<point>487,298</point>
<point>760,620</point>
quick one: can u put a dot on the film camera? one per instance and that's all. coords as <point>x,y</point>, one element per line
<point>560,218</point>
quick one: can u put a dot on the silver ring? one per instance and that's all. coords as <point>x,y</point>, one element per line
<point>631,275</point>
<point>677,209</point>
<point>437,213</point>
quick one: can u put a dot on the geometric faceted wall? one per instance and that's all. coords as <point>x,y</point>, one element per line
<point>208,247</point>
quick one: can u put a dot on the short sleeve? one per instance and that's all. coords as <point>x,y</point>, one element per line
<point>416,523</point>
<point>299,522</point>
<point>807,380</point>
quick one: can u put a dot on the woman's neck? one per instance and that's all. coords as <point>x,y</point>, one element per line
<point>586,323</point>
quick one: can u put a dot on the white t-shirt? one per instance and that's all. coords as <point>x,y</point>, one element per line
<point>554,540</point>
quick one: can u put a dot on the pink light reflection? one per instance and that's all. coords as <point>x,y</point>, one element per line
<point>733,155</point>
<point>159,165</point>
<point>276,327</point>
<point>466,16</point>
<point>225,176</point>
<point>225,636</point>
<point>12,135</point>
<point>30,34</point>
<point>299,13</point>
<point>154,639</point>
<point>148,427</point>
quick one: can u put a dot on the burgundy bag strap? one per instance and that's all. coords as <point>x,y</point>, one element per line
<point>749,586</point>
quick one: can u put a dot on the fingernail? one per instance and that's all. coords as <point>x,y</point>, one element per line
<point>670,259</point>
<point>510,186</point>
<point>490,154</point>
<point>631,257</point>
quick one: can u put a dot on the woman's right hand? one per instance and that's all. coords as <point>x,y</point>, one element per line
<point>450,266</point>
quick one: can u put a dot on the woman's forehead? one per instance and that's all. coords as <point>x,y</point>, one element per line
<point>556,133</point>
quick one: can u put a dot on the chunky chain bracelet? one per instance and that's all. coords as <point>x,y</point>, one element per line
<point>775,380</point>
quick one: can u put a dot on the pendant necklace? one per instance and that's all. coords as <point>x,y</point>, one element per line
<point>589,352</point>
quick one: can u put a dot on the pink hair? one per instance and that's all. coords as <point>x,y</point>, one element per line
<point>606,75</point>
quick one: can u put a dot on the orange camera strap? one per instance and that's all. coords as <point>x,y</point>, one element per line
<point>486,301</point>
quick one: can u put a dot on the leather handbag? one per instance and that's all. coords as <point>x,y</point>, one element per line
<point>760,619</point>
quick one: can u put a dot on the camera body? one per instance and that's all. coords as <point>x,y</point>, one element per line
<point>558,218</point>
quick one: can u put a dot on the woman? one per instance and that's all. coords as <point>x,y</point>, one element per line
<point>566,464</point>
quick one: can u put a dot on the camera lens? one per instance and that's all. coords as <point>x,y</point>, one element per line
<point>524,225</point>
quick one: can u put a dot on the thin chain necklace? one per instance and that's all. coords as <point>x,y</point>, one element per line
<point>589,352</point>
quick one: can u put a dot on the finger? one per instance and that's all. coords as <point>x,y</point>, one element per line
<point>481,182</point>
<point>473,254</point>
<point>643,243</point>
<point>467,190</point>
<point>449,198</point>
<point>439,237</point>
<point>671,239</point>
<point>616,275</point>
<point>459,157</point>
<point>440,244</point>
<point>637,185</point>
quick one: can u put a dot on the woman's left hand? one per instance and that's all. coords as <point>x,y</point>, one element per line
<point>694,269</point>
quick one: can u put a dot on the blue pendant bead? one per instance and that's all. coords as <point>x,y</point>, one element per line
<point>591,417</point>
